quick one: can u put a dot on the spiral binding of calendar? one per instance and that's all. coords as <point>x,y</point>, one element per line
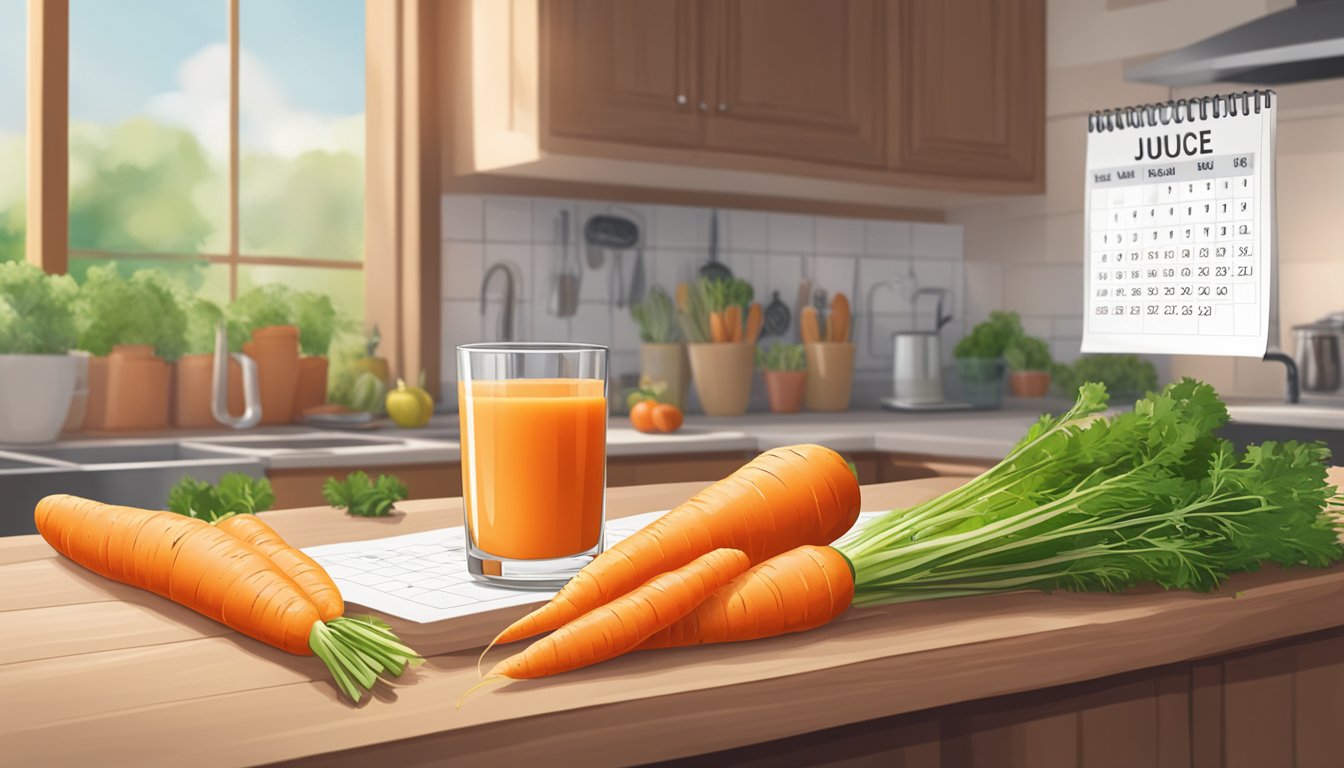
<point>1179,111</point>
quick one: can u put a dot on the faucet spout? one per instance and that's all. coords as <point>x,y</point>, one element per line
<point>506,312</point>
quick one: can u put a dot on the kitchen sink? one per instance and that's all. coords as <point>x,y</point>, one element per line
<point>132,472</point>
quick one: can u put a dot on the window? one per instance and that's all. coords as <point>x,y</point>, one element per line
<point>13,165</point>
<point>230,160</point>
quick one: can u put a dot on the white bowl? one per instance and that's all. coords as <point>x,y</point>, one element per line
<point>35,393</point>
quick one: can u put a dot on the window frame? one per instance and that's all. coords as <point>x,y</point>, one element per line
<point>401,261</point>
<point>47,243</point>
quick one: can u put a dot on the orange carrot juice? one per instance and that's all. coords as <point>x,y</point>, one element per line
<point>533,465</point>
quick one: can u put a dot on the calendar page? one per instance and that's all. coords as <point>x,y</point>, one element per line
<point>1179,224</point>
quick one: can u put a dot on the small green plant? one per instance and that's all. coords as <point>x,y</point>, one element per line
<point>1027,353</point>
<point>37,313</point>
<point>1126,376</point>
<point>313,313</point>
<point>235,494</point>
<point>991,338</point>
<point>656,316</point>
<point>781,357</point>
<point>142,309</point>
<point>361,497</point>
<point>707,296</point>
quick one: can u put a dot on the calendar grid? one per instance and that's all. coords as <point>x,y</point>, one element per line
<point>1178,250</point>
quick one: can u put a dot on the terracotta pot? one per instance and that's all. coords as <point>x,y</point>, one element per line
<point>785,390</point>
<point>311,389</point>
<point>722,374</point>
<point>1029,383</point>
<point>667,365</point>
<point>276,352</point>
<point>830,375</point>
<point>128,390</point>
<point>193,390</point>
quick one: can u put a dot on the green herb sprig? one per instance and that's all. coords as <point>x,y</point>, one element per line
<point>361,497</point>
<point>234,494</point>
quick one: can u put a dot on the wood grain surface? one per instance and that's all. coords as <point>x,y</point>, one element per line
<point>96,672</point>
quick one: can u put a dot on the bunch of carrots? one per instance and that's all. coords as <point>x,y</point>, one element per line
<point>744,558</point>
<point>712,310</point>
<point>236,570</point>
<point>836,324</point>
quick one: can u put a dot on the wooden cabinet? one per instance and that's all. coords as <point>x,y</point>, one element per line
<point>899,92</point>
<point>797,79</point>
<point>625,70</point>
<point>966,96</point>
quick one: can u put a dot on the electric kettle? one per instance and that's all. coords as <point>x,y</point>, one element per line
<point>917,360</point>
<point>1318,352</point>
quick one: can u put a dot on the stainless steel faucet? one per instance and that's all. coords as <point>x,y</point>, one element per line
<point>506,313</point>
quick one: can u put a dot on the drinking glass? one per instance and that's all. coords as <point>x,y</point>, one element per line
<point>534,459</point>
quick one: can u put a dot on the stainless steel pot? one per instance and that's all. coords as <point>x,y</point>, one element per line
<point>1318,353</point>
<point>917,360</point>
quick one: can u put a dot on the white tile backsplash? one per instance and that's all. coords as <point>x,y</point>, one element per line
<point>773,251</point>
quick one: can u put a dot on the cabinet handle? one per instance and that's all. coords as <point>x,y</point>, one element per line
<point>704,106</point>
<point>723,107</point>
<point>681,99</point>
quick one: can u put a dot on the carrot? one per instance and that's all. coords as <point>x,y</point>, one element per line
<point>621,625</point>
<point>304,570</point>
<point>718,331</point>
<point>782,499</point>
<point>732,323</point>
<point>755,319</point>
<point>801,589</point>
<point>217,575</point>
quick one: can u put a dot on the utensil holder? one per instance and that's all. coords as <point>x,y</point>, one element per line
<point>723,374</point>
<point>830,375</point>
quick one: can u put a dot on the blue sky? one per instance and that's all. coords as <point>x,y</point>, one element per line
<point>125,52</point>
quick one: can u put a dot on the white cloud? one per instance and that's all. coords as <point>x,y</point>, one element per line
<point>268,121</point>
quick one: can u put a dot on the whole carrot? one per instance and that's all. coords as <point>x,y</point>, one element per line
<point>801,589</point>
<point>621,625</point>
<point>304,570</point>
<point>217,575</point>
<point>782,499</point>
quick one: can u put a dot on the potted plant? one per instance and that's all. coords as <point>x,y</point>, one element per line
<point>979,358</point>
<point>193,372</point>
<point>133,328</point>
<point>1028,360</point>
<point>37,328</point>
<point>785,367</point>
<point>1127,377</point>
<point>721,343</point>
<point>662,355</point>
<point>283,323</point>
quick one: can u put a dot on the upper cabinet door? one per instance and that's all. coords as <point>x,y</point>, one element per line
<point>798,79</point>
<point>623,70</point>
<point>967,89</point>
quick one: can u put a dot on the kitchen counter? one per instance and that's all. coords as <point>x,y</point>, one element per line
<point>99,672</point>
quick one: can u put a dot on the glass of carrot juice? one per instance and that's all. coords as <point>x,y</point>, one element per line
<point>534,459</point>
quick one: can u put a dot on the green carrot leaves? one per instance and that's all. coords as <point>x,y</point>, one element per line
<point>1090,503</point>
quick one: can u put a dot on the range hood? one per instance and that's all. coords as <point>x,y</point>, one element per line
<point>1304,42</point>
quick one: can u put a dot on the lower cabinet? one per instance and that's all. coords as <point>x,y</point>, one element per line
<point>1274,706</point>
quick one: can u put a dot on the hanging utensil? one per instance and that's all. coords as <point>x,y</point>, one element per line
<point>804,299</point>
<point>564,297</point>
<point>638,281</point>
<point>777,317</point>
<point>715,269</point>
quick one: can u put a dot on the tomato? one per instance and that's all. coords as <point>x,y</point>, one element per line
<point>667,418</point>
<point>641,416</point>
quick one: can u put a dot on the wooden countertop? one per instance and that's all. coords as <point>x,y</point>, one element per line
<point>97,672</point>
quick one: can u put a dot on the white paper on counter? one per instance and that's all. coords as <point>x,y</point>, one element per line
<point>422,577</point>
